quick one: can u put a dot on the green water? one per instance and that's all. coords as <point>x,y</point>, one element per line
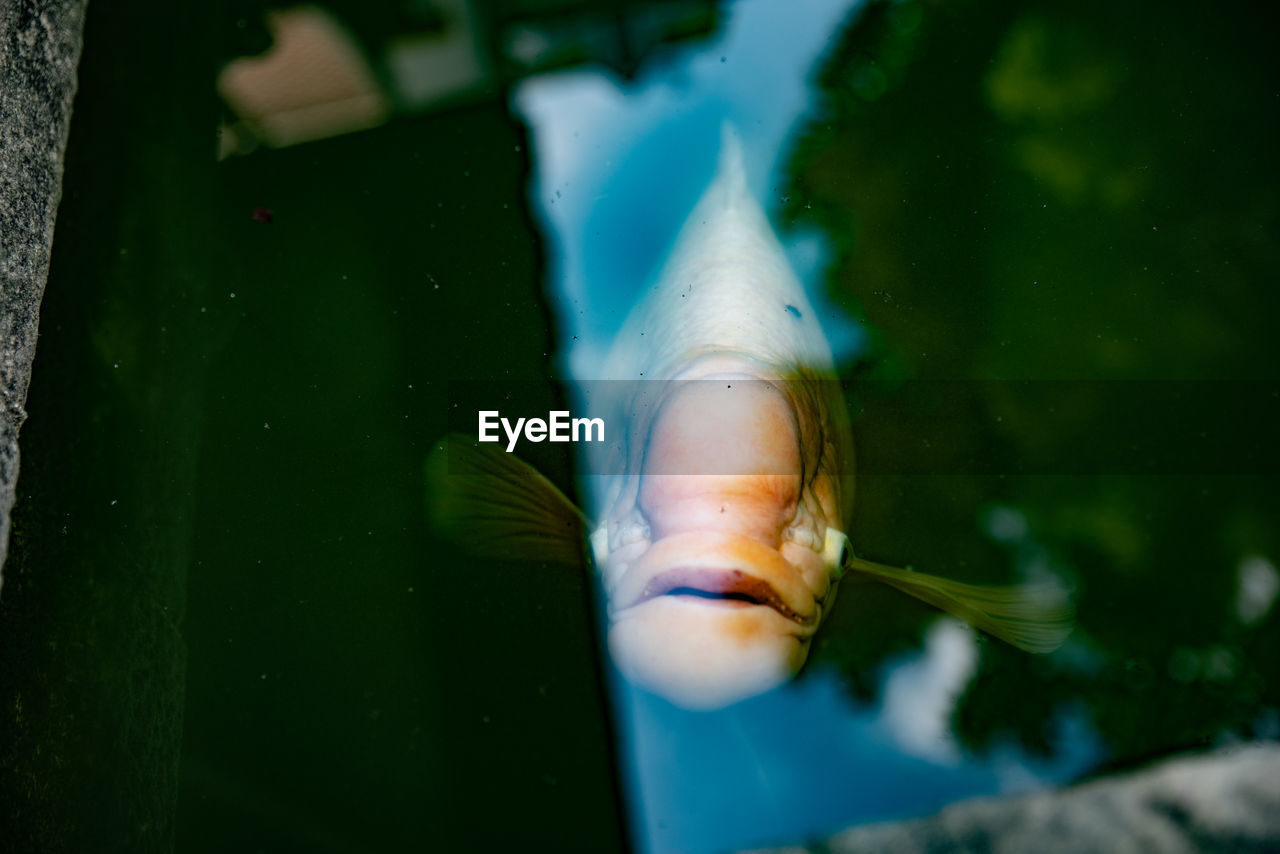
<point>224,624</point>
<point>1067,192</point>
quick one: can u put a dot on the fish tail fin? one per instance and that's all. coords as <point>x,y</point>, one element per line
<point>495,505</point>
<point>1032,618</point>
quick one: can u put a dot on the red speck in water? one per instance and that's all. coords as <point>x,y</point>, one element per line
<point>262,214</point>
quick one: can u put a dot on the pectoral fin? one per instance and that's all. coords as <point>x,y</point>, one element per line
<point>1034,619</point>
<point>495,505</point>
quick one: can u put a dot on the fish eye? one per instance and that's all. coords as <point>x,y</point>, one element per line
<point>838,553</point>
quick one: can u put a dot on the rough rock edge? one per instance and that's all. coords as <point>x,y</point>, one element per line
<point>1223,801</point>
<point>40,44</point>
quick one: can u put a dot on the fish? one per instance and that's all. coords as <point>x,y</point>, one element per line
<point>718,509</point>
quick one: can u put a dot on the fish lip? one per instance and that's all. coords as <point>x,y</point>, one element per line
<point>723,562</point>
<point>722,585</point>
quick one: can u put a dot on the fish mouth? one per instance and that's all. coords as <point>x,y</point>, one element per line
<point>720,570</point>
<point>732,587</point>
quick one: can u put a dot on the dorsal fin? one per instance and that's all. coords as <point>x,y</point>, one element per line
<point>731,172</point>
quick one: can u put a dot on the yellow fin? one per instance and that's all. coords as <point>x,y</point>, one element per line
<point>1035,619</point>
<point>495,505</point>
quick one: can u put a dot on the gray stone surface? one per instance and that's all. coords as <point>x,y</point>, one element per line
<point>39,49</point>
<point>1227,801</point>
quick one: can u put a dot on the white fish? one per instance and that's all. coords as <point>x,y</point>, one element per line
<point>719,505</point>
<point>719,521</point>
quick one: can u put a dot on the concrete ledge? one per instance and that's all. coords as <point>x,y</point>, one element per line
<point>1224,801</point>
<point>39,49</point>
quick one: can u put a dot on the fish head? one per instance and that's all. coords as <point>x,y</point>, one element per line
<point>715,563</point>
